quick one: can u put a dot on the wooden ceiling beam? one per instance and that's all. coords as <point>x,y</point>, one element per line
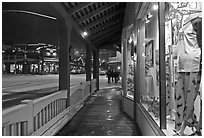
<point>109,21</point>
<point>109,40</point>
<point>145,7</point>
<point>79,7</point>
<point>69,20</point>
<point>97,11</point>
<point>115,28</point>
<point>107,24</point>
<point>105,36</point>
<point>103,18</point>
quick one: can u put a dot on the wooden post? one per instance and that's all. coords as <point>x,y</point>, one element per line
<point>96,68</point>
<point>88,63</point>
<point>64,63</point>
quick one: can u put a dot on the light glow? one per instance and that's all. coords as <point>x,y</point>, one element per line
<point>85,33</point>
<point>147,21</point>
<point>54,54</point>
<point>155,7</point>
<point>48,54</point>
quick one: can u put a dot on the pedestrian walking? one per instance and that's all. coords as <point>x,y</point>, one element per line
<point>116,76</point>
<point>112,75</point>
<point>108,75</point>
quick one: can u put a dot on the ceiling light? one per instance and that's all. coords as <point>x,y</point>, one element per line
<point>85,33</point>
<point>130,40</point>
<point>149,15</point>
<point>147,21</point>
<point>155,7</point>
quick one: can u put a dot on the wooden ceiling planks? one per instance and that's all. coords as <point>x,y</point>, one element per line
<point>102,20</point>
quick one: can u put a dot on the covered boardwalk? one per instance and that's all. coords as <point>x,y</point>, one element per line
<point>145,33</point>
<point>102,115</point>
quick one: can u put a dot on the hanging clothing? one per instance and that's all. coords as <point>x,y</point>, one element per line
<point>187,88</point>
<point>188,50</point>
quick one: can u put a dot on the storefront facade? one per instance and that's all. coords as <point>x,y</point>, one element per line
<point>151,66</point>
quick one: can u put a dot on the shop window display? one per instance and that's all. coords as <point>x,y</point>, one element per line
<point>183,67</point>
<point>150,94</point>
<point>183,46</point>
<point>130,69</point>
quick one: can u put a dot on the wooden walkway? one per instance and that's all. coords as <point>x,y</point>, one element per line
<point>101,116</point>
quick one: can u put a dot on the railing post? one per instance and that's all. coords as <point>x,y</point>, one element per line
<point>82,90</point>
<point>29,113</point>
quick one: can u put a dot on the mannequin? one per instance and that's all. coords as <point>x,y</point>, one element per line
<point>189,55</point>
<point>197,25</point>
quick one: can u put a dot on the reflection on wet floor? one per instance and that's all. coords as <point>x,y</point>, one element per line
<point>101,116</point>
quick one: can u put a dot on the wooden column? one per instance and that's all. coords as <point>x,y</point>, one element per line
<point>88,63</point>
<point>96,67</point>
<point>64,63</point>
<point>162,66</point>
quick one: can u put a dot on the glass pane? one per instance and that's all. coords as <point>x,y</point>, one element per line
<point>130,69</point>
<point>150,95</point>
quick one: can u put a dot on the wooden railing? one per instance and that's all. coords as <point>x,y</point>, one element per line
<point>36,117</point>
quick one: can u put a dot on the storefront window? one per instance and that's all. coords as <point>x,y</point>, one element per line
<point>167,68</point>
<point>130,67</point>
<point>150,95</point>
<point>183,54</point>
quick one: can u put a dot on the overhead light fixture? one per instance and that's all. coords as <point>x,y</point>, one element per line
<point>130,40</point>
<point>149,15</point>
<point>146,20</point>
<point>85,33</point>
<point>155,7</point>
<point>38,48</point>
